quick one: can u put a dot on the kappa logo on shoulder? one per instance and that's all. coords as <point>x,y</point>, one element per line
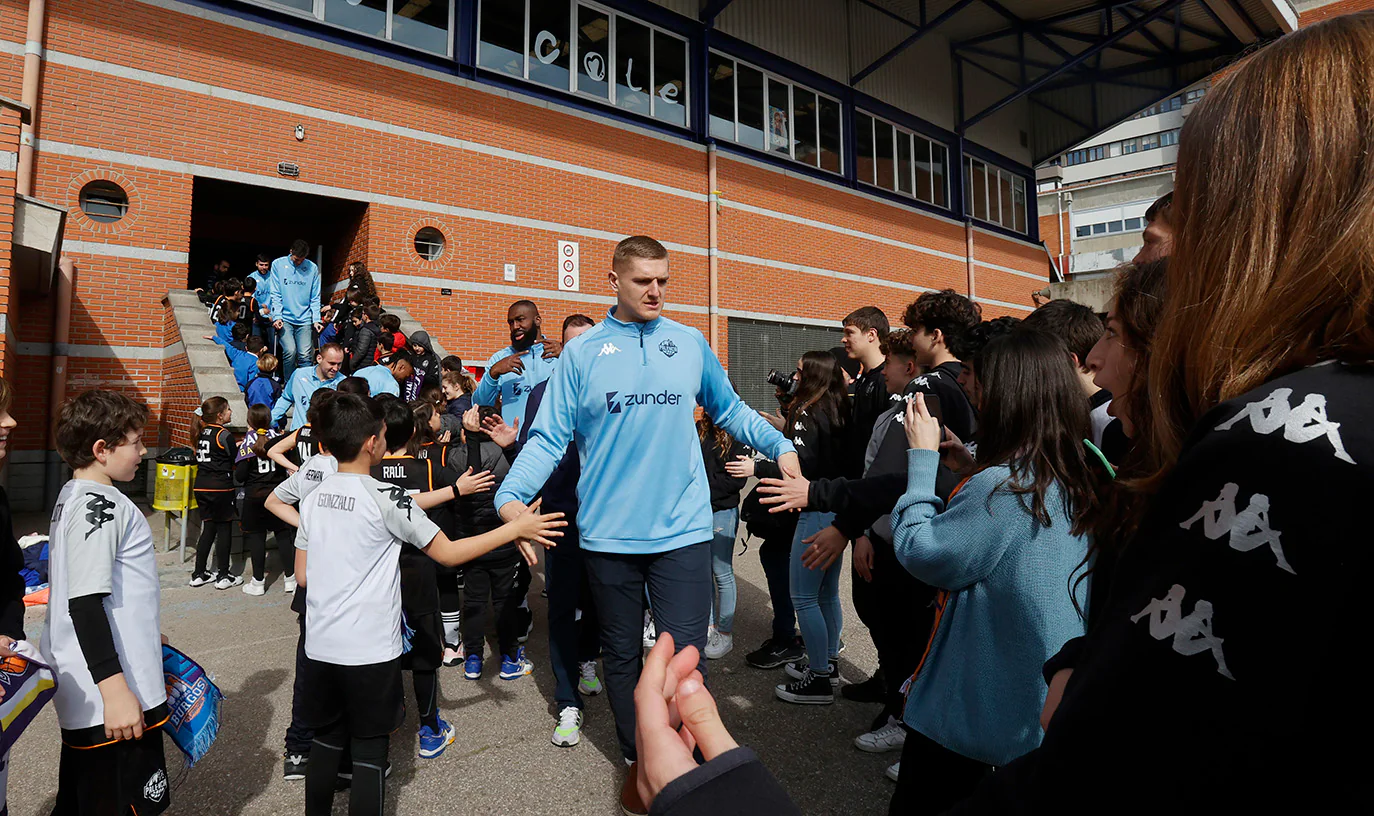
<point>98,512</point>
<point>607,349</point>
<point>399,496</point>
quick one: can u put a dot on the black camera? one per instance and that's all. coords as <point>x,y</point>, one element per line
<point>785,382</point>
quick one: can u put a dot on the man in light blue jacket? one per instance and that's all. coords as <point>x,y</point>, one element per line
<point>306,381</point>
<point>514,371</point>
<point>295,306</point>
<point>625,393</point>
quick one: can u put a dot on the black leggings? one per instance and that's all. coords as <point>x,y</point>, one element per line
<point>427,697</point>
<point>256,544</point>
<point>220,534</point>
<point>368,792</point>
<point>451,603</point>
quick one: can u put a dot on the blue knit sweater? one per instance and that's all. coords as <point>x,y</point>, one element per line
<point>1007,608</point>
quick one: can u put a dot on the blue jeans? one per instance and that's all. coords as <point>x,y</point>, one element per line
<point>724,524</point>
<point>297,344</point>
<point>816,595</point>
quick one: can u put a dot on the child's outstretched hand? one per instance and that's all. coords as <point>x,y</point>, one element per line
<point>531,525</point>
<point>470,482</point>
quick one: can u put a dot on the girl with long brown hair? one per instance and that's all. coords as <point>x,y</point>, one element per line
<point>817,424</point>
<point>1224,671</point>
<point>717,449</point>
<point>259,475</point>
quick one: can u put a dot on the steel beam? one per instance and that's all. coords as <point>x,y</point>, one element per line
<point>1146,32</point>
<point>909,41</point>
<point>1087,54</point>
<point>890,13</point>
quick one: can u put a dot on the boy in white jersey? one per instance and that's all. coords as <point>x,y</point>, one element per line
<point>102,635</point>
<point>352,529</point>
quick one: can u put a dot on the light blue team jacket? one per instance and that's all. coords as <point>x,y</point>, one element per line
<point>511,387</point>
<point>298,391</point>
<point>295,295</point>
<point>626,394</point>
<point>1008,610</point>
<point>379,380</point>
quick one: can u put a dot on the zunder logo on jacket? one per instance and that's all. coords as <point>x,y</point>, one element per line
<point>616,402</point>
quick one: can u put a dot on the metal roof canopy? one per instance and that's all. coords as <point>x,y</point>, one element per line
<point>1083,66</point>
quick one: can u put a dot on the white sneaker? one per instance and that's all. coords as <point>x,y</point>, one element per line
<point>893,771</point>
<point>229,581</point>
<point>891,737</point>
<point>289,585</point>
<point>650,631</point>
<point>568,732</point>
<point>718,644</point>
<point>255,587</point>
<point>589,684</point>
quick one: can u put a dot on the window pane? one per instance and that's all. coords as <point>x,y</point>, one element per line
<point>882,156</point>
<point>368,16</point>
<point>830,135</point>
<point>1099,229</point>
<point>938,162</point>
<point>1133,224</point>
<point>593,52</point>
<point>923,178</point>
<point>423,25</point>
<point>978,179</point>
<point>632,65</point>
<point>1114,226</point>
<point>1082,232</point>
<point>779,132</point>
<point>721,75</point>
<point>863,147</point>
<point>670,79</point>
<point>749,85</point>
<point>804,125</point>
<point>904,162</point>
<point>502,47</point>
<point>1004,198</point>
<point>301,5</point>
<point>548,46</point>
<point>1019,204</point>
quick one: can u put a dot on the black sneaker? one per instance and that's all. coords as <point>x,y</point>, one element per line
<point>811,689</point>
<point>796,669</point>
<point>774,653</point>
<point>872,690</point>
<point>293,767</point>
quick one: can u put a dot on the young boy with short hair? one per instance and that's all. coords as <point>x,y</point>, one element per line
<point>111,696</point>
<point>352,530</point>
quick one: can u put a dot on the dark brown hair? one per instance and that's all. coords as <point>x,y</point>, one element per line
<point>1033,420</point>
<point>720,438</point>
<point>93,416</point>
<point>209,412</point>
<point>946,310</point>
<point>259,422</point>
<point>866,319</point>
<point>821,386</point>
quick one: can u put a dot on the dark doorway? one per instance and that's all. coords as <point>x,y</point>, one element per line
<point>234,222</point>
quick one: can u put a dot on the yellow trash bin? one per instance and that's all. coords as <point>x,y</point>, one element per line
<point>172,487</point>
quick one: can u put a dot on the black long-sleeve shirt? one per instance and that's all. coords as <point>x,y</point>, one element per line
<point>820,446</point>
<point>11,583</point>
<point>1224,672</point>
<point>869,401</point>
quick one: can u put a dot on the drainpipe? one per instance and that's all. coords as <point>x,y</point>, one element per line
<point>61,336</point>
<point>713,228</point>
<point>33,71</point>
<point>968,253</point>
<point>1059,207</point>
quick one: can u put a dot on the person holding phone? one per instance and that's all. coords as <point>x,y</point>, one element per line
<point>818,423</point>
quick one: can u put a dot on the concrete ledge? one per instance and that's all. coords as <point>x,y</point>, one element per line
<point>210,369</point>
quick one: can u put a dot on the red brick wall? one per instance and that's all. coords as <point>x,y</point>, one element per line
<point>10,120</point>
<point>1336,9</point>
<point>165,130</point>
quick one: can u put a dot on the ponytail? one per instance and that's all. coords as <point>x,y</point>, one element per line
<point>259,418</point>
<point>208,412</point>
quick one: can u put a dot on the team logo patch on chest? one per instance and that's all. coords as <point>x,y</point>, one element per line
<point>668,347</point>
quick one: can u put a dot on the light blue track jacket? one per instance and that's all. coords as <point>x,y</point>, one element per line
<point>264,291</point>
<point>295,296</point>
<point>379,380</point>
<point>302,385</point>
<point>625,393</point>
<point>511,387</point>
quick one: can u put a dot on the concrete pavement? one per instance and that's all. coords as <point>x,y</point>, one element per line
<point>502,761</point>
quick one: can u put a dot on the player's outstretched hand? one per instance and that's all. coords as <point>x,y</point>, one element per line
<point>539,528</point>
<point>470,482</point>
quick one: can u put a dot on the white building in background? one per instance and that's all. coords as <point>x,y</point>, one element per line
<point>1095,195</point>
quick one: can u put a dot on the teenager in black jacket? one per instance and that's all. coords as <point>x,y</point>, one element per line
<point>365,333</point>
<point>818,425</point>
<point>11,557</point>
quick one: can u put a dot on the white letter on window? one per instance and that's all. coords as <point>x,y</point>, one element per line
<point>668,93</point>
<point>546,40</point>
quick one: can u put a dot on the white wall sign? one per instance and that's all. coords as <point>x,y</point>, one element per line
<point>569,267</point>
<point>509,272</point>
